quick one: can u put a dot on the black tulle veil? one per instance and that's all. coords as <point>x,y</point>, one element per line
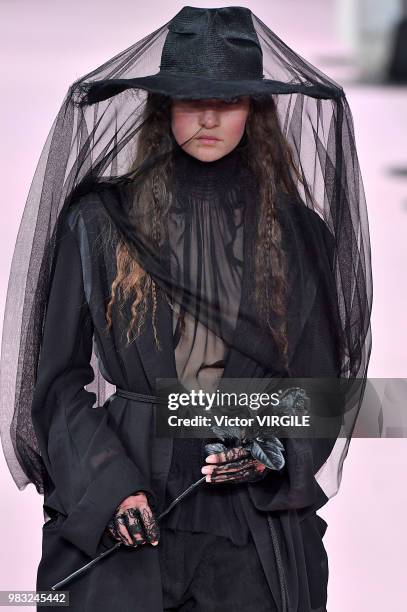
<point>90,147</point>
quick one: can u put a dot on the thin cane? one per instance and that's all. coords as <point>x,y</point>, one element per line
<point>115,546</point>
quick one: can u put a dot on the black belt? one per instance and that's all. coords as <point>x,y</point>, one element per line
<point>153,399</point>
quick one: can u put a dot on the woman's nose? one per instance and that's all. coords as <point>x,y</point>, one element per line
<point>209,117</point>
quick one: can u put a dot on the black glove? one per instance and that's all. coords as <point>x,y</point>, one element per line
<point>234,464</point>
<point>134,523</point>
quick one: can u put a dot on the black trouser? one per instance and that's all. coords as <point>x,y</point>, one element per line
<point>207,573</point>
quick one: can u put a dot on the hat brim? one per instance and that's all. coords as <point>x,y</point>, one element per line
<point>194,87</point>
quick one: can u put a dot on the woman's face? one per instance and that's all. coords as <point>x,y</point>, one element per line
<point>215,125</point>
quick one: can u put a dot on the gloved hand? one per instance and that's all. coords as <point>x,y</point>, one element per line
<point>235,464</point>
<point>133,522</point>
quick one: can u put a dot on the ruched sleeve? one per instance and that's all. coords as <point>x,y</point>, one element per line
<point>88,467</point>
<point>295,486</point>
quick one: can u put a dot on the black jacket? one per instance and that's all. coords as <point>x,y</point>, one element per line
<point>97,456</point>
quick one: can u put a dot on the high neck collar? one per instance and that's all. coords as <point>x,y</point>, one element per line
<point>199,179</point>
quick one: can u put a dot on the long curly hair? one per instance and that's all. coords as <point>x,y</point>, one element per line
<point>270,159</point>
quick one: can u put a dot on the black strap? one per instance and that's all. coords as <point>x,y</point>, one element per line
<point>153,399</point>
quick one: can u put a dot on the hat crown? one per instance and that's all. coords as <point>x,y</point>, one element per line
<point>216,43</point>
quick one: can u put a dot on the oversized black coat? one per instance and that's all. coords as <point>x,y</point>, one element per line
<point>97,456</point>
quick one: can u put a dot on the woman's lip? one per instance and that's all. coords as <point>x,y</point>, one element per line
<point>208,138</point>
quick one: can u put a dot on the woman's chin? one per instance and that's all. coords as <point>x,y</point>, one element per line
<point>208,152</point>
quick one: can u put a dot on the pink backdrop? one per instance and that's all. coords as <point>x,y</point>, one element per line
<point>366,539</point>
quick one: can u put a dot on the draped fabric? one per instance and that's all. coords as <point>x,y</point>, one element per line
<point>209,203</point>
<point>206,235</point>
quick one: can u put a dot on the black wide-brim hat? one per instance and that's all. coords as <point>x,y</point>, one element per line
<point>209,53</point>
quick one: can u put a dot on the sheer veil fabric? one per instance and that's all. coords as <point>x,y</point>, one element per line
<point>211,228</point>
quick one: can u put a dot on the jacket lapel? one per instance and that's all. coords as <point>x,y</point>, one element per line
<point>247,333</point>
<point>158,364</point>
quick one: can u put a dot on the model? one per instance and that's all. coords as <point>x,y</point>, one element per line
<point>198,215</point>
